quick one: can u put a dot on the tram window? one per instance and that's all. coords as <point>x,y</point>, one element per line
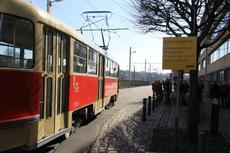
<point>80,53</point>
<point>92,62</point>
<point>79,65</point>
<point>50,52</point>
<point>59,52</point>
<point>112,69</point>
<point>107,69</point>
<point>59,97</point>
<point>16,42</point>
<point>64,54</point>
<point>80,50</point>
<point>49,98</point>
<point>44,50</point>
<point>115,68</point>
<point>64,95</point>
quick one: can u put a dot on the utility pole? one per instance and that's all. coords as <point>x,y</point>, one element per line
<point>130,56</point>
<point>49,4</point>
<point>150,76</point>
<point>145,69</point>
<point>130,66</point>
<point>134,71</point>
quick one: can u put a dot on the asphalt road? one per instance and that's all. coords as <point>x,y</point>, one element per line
<point>82,140</point>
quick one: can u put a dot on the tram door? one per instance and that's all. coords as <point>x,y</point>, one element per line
<point>100,103</point>
<point>54,61</point>
<point>61,82</point>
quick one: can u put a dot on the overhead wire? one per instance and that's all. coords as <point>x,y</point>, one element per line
<point>91,5</point>
<point>120,7</point>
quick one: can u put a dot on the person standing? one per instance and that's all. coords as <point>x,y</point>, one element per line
<point>215,92</point>
<point>200,91</point>
<point>168,90</point>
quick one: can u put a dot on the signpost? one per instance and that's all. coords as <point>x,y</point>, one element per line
<point>179,54</point>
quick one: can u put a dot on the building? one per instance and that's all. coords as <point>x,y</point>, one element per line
<point>214,63</point>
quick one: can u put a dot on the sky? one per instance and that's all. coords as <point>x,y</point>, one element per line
<point>146,46</point>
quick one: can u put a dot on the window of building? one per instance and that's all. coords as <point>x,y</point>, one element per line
<point>92,62</point>
<point>203,63</point>
<point>80,54</point>
<point>220,52</point>
<point>202,51</point>
<point>199,67</point>
<point>16,42</point>
<point>228,48</point>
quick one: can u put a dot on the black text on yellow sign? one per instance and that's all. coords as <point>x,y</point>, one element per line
<point>179,53</point>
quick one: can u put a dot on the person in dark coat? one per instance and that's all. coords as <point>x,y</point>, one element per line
<point>215,91</point>
<point>183,91</point>
<point>167,90</point>
<point>200,91</point>
<point>224,93</point>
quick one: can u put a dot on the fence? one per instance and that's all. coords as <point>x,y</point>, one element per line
<point>126,84</point>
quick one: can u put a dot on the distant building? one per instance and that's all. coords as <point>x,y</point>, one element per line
<point>214,63</point>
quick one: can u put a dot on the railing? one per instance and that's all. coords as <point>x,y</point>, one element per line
<point>126,84</point>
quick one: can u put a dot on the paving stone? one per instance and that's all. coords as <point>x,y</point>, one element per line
<point>141,150</point>
<point>113,151</point>
<point>128,133</point>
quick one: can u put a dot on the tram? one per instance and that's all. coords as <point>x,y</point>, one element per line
<point>51,77</point>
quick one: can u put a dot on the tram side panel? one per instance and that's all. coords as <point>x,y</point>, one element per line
<point>20,95</point>
<point>110,89</point>
<point>20,106</point>
<point>83,91</point>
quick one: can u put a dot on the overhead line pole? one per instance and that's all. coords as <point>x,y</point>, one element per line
<point>48,6</point>
<point>130,66</point>
<point>145,69</point>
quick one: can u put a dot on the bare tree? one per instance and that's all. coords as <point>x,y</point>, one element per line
<point>209,20</point>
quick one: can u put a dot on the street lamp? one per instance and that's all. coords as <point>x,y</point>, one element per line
<point>49,4</point>
<point>157,76</point>
<point>130,54</point>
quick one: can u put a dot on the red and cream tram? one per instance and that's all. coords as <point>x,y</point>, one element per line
<point>50,77</point>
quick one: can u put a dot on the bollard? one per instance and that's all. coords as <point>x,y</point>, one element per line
<point>149,105</point>
<point>156,101</point>
<point>214,117</point>
<point>175,139</point>
<point>202,144</point>
<point>153,104</point>
<point>144,109</point>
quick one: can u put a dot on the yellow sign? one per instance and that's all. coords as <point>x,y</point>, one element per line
<point>179,53</point>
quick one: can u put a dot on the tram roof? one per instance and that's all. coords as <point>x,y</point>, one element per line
<point>29,11</point>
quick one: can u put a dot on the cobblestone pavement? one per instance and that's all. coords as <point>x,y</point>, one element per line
<point>224,117</point>
<point>125,132</point>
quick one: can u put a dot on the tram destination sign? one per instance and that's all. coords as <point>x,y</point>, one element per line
<point>179,53</point>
